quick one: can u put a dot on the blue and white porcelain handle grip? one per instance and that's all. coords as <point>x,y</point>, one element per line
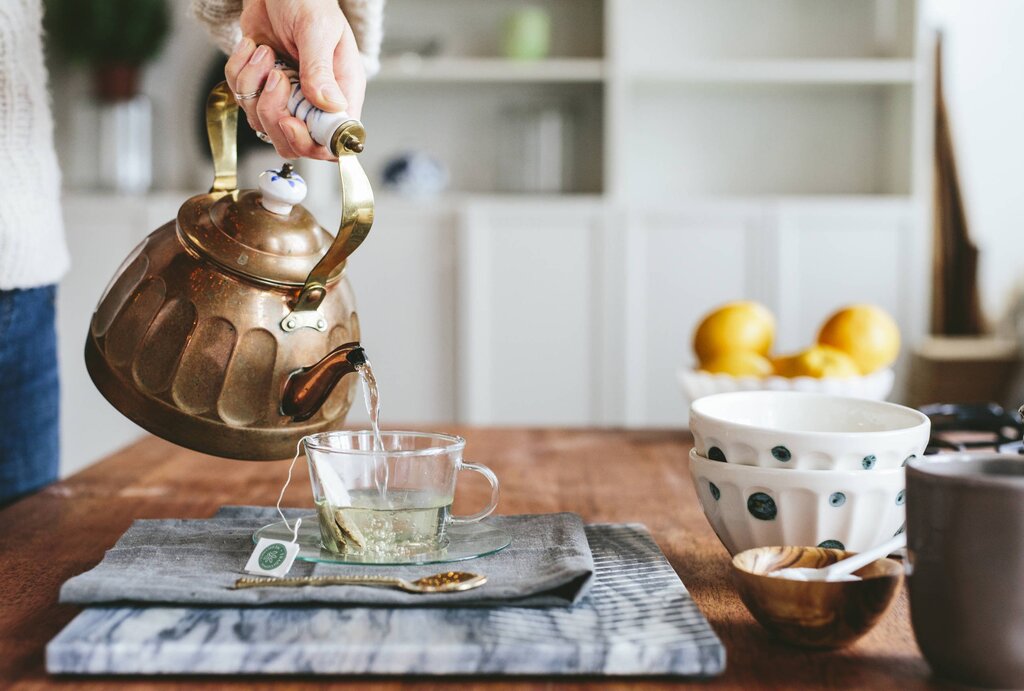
<point>339,132</point>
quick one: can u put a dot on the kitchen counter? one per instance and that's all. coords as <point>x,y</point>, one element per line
<point>604,475</point>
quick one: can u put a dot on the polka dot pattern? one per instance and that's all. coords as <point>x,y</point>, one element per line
<point>762,507</point>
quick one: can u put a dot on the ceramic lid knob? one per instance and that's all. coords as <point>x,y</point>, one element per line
<point>281,189</point>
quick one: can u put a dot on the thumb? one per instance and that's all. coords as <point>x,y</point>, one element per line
<point>316,69</point>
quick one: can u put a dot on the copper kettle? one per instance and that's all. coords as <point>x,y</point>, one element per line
<point>228,329</point>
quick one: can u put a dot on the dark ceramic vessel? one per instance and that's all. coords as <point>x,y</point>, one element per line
<point>965,532</point>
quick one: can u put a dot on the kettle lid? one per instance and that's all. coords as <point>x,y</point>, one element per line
<point>262,234</point>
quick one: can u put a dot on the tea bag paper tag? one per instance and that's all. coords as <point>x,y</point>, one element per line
<point>272,558</point>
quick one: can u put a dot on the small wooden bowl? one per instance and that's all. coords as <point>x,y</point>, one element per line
<point>808,613</point>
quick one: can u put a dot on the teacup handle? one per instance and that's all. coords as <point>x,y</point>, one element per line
<point>491,478</point>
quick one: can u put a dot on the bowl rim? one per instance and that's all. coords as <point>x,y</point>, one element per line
<point>900,568</point>
<point>923,422</point>
<point>932,466</point>
<point>878,473</point>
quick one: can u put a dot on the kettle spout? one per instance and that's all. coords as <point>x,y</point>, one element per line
<point>306,389</point>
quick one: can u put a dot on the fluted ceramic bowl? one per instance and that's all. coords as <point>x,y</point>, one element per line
<point>806,431</point>
<point>751,507</point>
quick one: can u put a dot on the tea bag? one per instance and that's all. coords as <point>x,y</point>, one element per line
<point>343,531</point>
<point>331,513</point>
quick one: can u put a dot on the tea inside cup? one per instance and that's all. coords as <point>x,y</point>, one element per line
<point>394,501</point>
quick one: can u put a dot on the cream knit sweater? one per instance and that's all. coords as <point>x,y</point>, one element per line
<point>32,248</point>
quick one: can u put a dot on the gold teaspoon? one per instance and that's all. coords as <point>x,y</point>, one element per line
<point>447,582</point>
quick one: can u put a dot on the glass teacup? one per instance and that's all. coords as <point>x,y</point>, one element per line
<point>395,502</point>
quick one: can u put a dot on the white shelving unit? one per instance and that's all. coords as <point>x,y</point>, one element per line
<point>779,97</point>
<point>838,71</point>
<point>474,70</point>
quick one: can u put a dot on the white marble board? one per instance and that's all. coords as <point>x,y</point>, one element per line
<point>637,620</point>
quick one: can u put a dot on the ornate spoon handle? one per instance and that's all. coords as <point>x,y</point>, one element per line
<point>295,581</point>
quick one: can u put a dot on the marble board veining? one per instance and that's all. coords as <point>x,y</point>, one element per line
<point>637,620</point>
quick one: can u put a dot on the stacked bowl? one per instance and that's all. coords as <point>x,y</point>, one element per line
<point>791,468</point>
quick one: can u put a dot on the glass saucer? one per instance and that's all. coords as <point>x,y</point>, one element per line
<point>465,541</point>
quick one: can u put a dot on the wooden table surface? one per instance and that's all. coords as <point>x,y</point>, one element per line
<point>604,475</point>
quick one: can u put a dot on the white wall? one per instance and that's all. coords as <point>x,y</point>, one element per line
<point>101,231</point>
<point>984,82</point>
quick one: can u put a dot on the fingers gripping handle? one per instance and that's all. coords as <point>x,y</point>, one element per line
<point>339,132</point>
<point>493,504</point>
<point>344,136</point>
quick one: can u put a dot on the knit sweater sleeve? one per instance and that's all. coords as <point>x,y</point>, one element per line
<point>366,17</point>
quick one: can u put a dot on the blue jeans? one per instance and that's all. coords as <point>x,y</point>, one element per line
<point>29,391</point>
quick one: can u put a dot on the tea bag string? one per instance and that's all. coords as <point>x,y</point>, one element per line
<point>280,497</point>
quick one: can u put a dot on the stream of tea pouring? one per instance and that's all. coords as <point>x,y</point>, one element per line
<point>336,492</point>
<point>371,395</point>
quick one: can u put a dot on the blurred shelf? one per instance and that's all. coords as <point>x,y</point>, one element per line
<point>803,71</point>
<point>471,70</point>
<point>165,202</point>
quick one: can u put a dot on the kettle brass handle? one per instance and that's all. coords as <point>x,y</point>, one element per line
<point>356,197</point>
<point>222,130</point>
<point>356,219</point>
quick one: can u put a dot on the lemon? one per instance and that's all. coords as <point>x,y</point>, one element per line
<point>739,363</point>
<point>864,332</point>
<point>734,327</point>
<point>818,361</point>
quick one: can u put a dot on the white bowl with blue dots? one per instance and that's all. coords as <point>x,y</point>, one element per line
<point>805,431</point>
<point>765,507</point>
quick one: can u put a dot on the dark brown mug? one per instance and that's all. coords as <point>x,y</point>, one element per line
<point>965,537</point>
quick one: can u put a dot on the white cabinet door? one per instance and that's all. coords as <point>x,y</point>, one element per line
<point>530,342</point>
<point>403,278</point>
<point>680,264</point>
<point>836,253</point>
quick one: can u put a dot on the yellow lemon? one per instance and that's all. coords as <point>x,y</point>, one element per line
<point>739,363</point>
<point>818,361</point>
<point>736,326</point>
<point>864,332</point>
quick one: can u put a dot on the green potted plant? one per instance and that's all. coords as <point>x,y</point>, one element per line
<point>113,38</point>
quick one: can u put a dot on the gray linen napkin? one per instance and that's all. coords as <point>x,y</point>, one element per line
<point>193,562</point>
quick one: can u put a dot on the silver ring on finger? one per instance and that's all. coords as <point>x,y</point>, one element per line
<point>249,96</point>
<point>263,137</point>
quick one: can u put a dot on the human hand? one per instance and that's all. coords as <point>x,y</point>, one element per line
<point>315,35</point>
